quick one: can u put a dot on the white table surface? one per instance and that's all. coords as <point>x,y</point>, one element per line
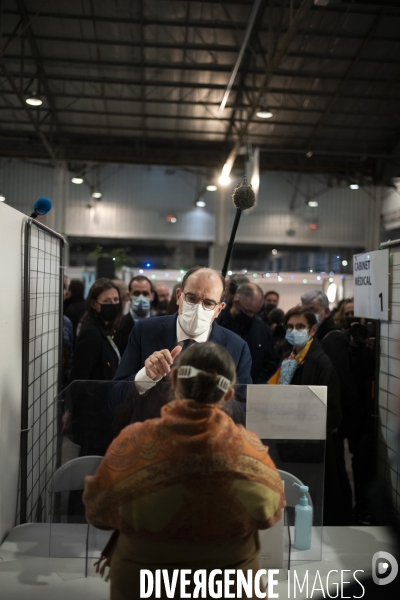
<point>26,571</point>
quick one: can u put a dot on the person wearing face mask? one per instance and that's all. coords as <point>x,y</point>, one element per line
<point>163,298</point>
<point>141,296</point>
<point>155,343</point>
<point>96,358</point>
<point>318,303</point>
<point>242,318</point>
<point>271,301</point>
<point>307,364</point>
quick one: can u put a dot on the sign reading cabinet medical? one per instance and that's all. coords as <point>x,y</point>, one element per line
<point>371,285</point>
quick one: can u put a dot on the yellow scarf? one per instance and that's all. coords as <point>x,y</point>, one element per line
<point>300,357</point>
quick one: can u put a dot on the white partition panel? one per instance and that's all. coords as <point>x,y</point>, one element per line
<point>11,222</point>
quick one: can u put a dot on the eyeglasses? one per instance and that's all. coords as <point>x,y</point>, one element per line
<point>350,313</point>
<point>206,303</point>
<point>297,327</point>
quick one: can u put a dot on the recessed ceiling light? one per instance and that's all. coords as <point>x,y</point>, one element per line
<point>2,198</point>
<point>344,263</point>
<point>211,188</point>
<point>309,154</point>
<point>264,113</point>
<point>274,251</point>
<point>97,195</point>
<point>200,203</point>
<point>312,203</point>
<point>77,180</point>
<point>354,186</point>
<point>34,100</point>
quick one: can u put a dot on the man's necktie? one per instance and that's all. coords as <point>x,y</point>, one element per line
<point>187,343</point>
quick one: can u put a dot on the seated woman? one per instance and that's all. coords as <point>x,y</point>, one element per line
<point>187,490</point>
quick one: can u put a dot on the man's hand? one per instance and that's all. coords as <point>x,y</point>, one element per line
<point>159,363</point>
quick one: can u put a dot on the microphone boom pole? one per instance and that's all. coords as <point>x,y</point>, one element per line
<point>243,198</point>
<point>231,242</point>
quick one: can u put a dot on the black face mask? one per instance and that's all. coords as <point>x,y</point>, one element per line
<point>244,320</point>
<point>162,305</point>
<point>269,307</point>
<point>109,311</point>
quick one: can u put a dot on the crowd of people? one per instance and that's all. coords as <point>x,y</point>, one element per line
<point>212,483</point>
<point>136,332</point>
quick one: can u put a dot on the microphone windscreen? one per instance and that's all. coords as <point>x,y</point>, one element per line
<point>42,206</point>
<point>244,197</point>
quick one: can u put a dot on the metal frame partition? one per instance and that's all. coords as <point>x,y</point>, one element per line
<point>42,331</point>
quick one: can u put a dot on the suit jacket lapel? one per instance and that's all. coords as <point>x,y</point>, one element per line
<point>166,337</point>
<point>217,334</point>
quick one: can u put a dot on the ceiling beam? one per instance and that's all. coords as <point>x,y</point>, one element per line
<point>196,23</point>
<point>204,47</point>
<point>258,122</point>
<point>308,93</point>
<point>208,86</point>
<point>204,104</point>
<point>203,67</point>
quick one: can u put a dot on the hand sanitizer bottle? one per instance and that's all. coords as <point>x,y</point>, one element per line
<point>303,521</point>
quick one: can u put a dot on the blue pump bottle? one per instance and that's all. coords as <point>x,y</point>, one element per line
<point>303,521</point>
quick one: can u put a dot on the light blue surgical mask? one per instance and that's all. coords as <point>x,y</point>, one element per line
<point>297,338</point>
<point>140,305</point>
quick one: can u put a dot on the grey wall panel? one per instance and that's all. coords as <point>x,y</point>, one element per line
<point>136,199</point>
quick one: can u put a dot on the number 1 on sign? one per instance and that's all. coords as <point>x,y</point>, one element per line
<point>381,297</point>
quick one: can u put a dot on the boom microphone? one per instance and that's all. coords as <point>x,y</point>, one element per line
<point>41,208</point>
<point>243,198</point>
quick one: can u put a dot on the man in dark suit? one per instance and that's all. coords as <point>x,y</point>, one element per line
<point>155,343</point>
<point>242,318</point>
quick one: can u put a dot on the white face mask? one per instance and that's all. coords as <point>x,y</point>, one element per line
<point>194,319</point>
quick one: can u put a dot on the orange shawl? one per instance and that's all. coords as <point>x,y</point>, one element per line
<point>190,476</point>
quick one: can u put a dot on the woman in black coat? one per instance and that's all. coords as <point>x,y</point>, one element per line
<point>307,364</point>
<point>96,359</point>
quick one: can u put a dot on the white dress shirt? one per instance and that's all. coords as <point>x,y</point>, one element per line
<point>143,382</point>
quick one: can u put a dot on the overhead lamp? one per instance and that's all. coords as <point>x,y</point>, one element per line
<point>97,195</point>
<point>34,99</point>
<point>171,219</point>
<point>264,113</point>
<point>344,263</point>
<point>200,203</point>
<point>211,188</point>
<point>2,198</point>
<point>354,186</point>
<point>274,251</point>
<point>309,154</point>
<point>77,180</point>
<point>312,203</point>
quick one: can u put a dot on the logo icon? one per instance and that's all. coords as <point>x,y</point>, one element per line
<point>384,568</point>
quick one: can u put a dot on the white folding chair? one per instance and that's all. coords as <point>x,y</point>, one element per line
<point>68,478</point>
